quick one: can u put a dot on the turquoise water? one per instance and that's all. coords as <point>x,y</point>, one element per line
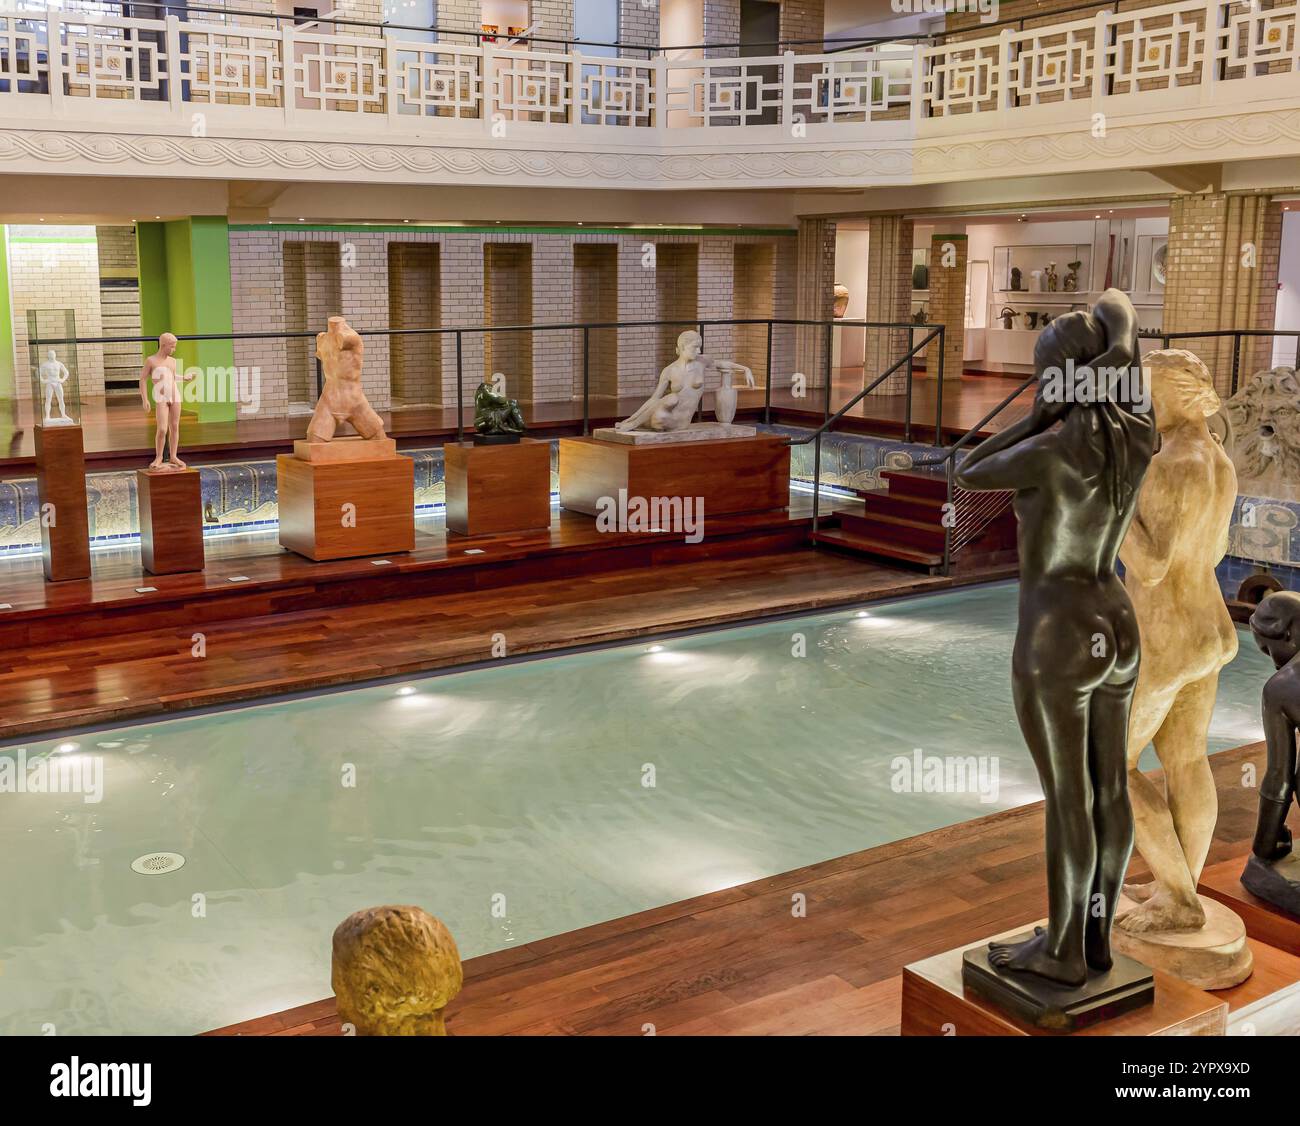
<point>512,802</point>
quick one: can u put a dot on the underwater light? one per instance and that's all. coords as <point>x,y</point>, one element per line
<point>655,649</point>
<point>67,748</point>
<point>406,690</point>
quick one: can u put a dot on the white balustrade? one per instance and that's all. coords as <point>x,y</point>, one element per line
<point>246,68</point>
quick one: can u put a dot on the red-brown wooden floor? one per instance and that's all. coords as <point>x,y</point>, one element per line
<point>738,962</point>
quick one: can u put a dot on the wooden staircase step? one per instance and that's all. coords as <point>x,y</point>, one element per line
<point>849,540</point>
<point>917,483</point>
<point>927,535</point>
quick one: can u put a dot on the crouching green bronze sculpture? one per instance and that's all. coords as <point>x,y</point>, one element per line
<point>497,420</point>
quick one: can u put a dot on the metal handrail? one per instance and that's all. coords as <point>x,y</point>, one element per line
<point>585,328</point>
<point>831,419</point>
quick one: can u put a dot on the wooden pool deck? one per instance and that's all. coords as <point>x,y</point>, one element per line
<point>738,961</point>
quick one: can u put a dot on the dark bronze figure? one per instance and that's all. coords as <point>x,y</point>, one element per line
<point>497,419</point>
<point>1076,654</point>
<point>1276,626</point>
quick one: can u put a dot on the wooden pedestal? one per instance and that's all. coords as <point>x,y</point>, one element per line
<point>731,476</point>
<point>339,510</point>
<point>61,485</point>
<point>497,488</point>
<point>171,520</point>
<point>1263,921</point>
<point>936,1004</point>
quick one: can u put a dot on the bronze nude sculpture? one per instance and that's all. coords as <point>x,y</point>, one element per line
<point>1075,662</point>
<point>1271,872</point>
<point>497,419</point>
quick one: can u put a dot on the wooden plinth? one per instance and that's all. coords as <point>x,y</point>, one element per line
<point>171,520</point>
<point>730,476</point>
<point>340,510</point>
<point>492,489</point>
<point>936,1004</point>
<point>1263,921</point>
<point>61,485</point>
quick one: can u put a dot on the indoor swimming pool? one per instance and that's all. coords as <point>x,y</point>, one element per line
<point>513,802</point>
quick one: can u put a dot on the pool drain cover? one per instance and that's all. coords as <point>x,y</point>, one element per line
<point>157,863</point>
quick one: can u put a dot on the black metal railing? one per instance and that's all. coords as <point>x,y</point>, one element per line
<point>1237,335</point>
<point>937,331</point>
<point>701,325</point>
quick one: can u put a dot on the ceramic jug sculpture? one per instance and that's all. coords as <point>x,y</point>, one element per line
<point>1075,661</point>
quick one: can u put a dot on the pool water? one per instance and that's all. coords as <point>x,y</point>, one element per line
<point>513,802</point>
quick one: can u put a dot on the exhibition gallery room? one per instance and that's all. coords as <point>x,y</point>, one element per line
<point>729,518</point>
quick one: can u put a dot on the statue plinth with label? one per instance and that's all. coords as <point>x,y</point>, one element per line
<point>345,495</point>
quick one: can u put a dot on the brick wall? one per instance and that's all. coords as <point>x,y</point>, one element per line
<point>804,19</point>
<point>572,277</point>
<point>814,295</point>
<point>888,298</point>
<point>948,300</point>
<point>638,24</point>
<point>53,274</point>
<point>1221,272</point>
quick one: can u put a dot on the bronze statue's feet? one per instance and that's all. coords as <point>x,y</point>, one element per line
<point>1140,893</point>
<point>1163,913</point>
<point>1032,957</point>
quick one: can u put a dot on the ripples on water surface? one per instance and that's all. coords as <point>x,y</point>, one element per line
<point>524,782</point>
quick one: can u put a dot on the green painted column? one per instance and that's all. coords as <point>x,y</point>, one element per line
<point>185,289</point>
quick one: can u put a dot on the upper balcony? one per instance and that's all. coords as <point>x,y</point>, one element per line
<point>235,96</point>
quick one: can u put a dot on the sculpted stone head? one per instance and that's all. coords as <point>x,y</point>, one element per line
<point>394,970</point>
<point>689,344</point>
<point>1182,389</point>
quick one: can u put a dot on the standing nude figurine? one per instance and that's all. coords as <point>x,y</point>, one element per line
<point>53,375</point>
<point>677,396</point>
<point>1178,536</point>
<point>1075,662</point>
<point>340,351</point>
<point>160,370</point>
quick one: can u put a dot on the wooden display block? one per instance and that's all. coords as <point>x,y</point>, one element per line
<point>731,475</point>
<point>61,485</point>
<point>505,488</point>
<point>171,520</point>
<point>340,509</point>
<point>1263,921</point>
<point>935,1003</point>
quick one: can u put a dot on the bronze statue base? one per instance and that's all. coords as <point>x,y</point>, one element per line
<point>497,439</point>
<point>1125,986</point>
<point>1277,883</point>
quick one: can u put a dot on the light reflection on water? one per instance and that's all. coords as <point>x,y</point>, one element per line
<point>529,781</point>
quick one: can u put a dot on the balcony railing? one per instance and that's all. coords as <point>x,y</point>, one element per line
<point>60,64</point>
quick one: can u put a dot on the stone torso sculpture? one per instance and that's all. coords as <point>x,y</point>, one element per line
<point>677,395</point>
<point>342,400</point>
<point>1271,872</point>
<point>1075,661</point>
<point>52,375</point>
<point>1178,536</point>
<point>160,380</point>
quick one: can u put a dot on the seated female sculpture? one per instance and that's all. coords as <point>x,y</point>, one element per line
<point>1075,662</point>
<point>677,396</point>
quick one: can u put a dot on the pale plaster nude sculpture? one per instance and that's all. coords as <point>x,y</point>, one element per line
<point>676,397</point>
<point>52,375</point>
<point>160,371</point>
<point>394,971</point>
<point>1178,535</point>
<point>341,352</point>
